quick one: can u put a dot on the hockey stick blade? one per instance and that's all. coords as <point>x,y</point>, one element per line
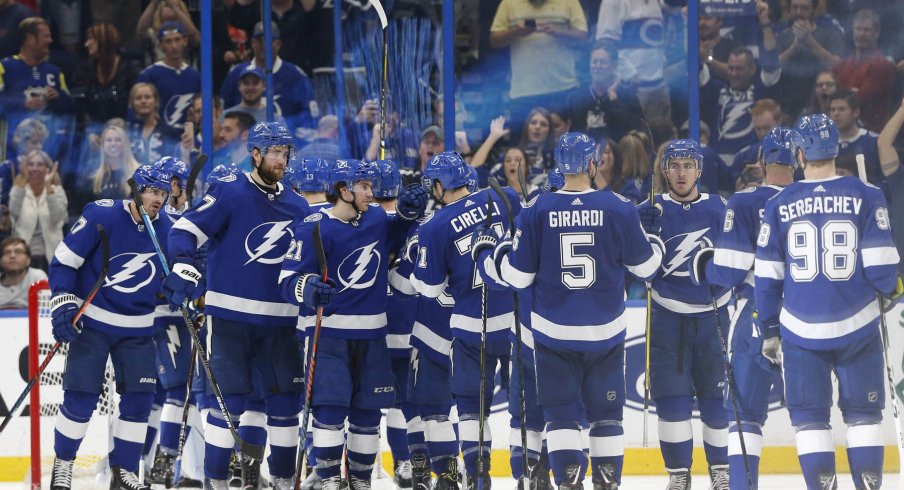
<point>105,265</point>
<point>193,176</point>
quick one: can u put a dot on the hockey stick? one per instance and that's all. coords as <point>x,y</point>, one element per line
<point>253,451</point>
<point>183,432</point>
<point>484,297</point>
<point>732,389</point>
<point>193,176</point>
<point>105,247</point>
<point>519,361</point>
<point>312,358</point>
<point>883,332</point>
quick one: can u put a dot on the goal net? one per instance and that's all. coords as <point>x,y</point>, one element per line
<point>47,394</point>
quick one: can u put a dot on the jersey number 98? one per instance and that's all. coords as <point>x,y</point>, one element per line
<point>831,249</point>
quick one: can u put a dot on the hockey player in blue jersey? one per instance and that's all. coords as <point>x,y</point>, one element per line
<point>178,198</point>
<point>569,251</point>
<point>246,219</point>
<point>118,325</point>
<point>729,263</point>
<point>312,178</point>
<point>685,348</point>
<point>827,240</point>
<point>353,377</point>
<point>444,260</point>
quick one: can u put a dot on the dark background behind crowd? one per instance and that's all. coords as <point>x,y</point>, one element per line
<point>91,89</point>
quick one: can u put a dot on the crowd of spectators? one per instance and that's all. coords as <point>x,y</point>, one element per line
<point>90,89</point>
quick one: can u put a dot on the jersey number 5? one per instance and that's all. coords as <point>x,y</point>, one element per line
<point>831,249</point>
<point>582,265</point>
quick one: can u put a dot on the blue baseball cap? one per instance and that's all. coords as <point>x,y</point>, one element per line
<point>170,27</point>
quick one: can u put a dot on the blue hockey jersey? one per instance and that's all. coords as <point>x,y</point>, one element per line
<point>292,91</point>
<point>356,254</point>
<point>176,86</point>
<point>249,230</point>
<point>125,304</point>
<point>732,264</point>
<point>444,260</point>
<point>573,248</point>
<point>686,228</point>
<point>19,82</point>
<point>865,143</point>
<point>824,249</point>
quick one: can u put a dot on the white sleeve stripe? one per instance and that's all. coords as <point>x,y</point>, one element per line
<point>880,256</point>
<point>67,257</point>
<point>734,259</point>
<point>770,269</point>
<point>184,224</point>
<point>400,283</point>
<point>513,276</point>
<point>284,274</point>
<point>429,290</point>
<point>649,267</point>
<point>489,266</point>
<point>430,338</point>
<point>396,341</point>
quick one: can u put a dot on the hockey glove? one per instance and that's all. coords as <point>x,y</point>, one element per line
<point>63,308</point>
<point>651,219</point>
<point>312,291</point>
<point>180,284</point>
<point>412,203</point>
<point>482,240</point>
<point>890,300</point>
<point>697,267</point>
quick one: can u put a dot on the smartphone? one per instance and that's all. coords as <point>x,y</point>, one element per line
<point>530,23</point>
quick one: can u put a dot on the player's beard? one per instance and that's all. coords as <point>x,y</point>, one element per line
<point>269,176</point>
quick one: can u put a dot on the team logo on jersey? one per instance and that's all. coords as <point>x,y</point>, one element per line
<point>684,246</point>
<point>135,271</point>
<point>173,342</point>
<point>359,269</point>
<point>265,243</point>
<point>228,178</point>
<point>78,224</point>
<point>104,203</point>
<point>313,218</point>
<point>176,109</point>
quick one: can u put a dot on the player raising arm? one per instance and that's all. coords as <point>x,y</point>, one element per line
<point>823,251</point>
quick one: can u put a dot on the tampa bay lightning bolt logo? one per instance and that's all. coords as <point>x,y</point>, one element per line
<point>176,109</point>
<point>359,269</point>
<point>133,271</point>
<point>265,243</point>
<point>684,247</point>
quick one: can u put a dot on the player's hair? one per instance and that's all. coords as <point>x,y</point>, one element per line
<point>108,42</point>
<point>127,164</point>
<point>243,119</point>
<point>328,122</point>
<point>140,85</point>
<point>846,162</point>
<point>763,106</point>
<point>869,15</point>
<point>546,145</point>
<point>29,25</point>
<point>14,240</point>
<point>158,16</point>
<point>635,150</point>
<point>850,97</point>
<point>30,129</point>
<point>659,183</point>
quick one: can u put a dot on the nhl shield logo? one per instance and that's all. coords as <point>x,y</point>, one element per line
<point>610,395</point>
<point>872,396</point>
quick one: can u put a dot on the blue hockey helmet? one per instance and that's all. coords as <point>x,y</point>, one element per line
<point>221,171</point>
<point>390,179</point>
<point>350,171</point>
<point>175,167</point>
<point>147,176</point>
<point>816,136</point>
<point>473,179</point>
<point>449,168</point>
<point>776,146</point>
<point>682,148</point>
<point>575,151</point>
<point>263,135</point>
<point>554,181</point>
<point>312,174</point>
